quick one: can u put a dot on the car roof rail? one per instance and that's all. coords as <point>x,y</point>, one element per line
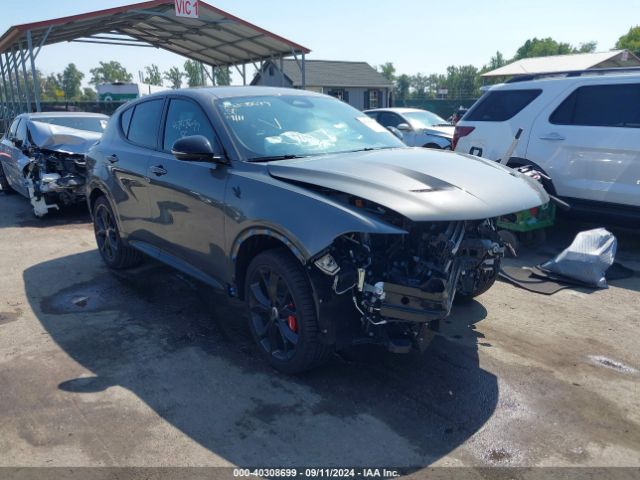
<point>573,73</point>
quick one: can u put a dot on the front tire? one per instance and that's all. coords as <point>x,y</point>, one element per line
<point>113,250</point>
<point>482,284</point>
<point>282,313</point>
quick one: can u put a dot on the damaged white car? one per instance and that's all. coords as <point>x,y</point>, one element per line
<point>42,157</point>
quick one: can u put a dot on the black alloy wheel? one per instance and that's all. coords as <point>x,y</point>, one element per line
<point>282,314</point>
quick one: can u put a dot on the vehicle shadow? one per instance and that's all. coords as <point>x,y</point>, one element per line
<point>187,354</point>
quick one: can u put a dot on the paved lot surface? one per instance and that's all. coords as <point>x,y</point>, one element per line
<point>148,368</point>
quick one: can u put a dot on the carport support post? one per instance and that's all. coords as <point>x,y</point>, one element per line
<point>36,80</point>
<point>5,98</point>
<point>8,70</point>
<point>281,71</point>
<point>304,76</point>
<point>26,79</point>
<point>244,74</point>
<point>16,76</point>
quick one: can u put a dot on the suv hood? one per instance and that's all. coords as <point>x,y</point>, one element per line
<point>421,184</point>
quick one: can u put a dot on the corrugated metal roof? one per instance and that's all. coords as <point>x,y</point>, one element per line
<point>215,38</point>
<point>329,73</point>
<point>564,63</point>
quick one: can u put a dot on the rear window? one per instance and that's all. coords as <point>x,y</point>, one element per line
<point>600,106</point>
<point>501,105</point>
<point>143,128</point>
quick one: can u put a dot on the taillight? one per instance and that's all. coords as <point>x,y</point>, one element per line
<point>458,133</point>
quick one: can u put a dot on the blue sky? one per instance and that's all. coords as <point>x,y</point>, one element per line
<point>417,36</point>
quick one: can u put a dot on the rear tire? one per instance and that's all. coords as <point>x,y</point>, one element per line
<point>282,313</point>
<point>113,250</point>
<point>4,183</point>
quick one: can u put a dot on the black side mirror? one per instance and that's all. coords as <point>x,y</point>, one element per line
<point>17,142</point>
<point>195,148</point>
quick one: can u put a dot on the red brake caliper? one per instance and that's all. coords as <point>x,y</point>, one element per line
<point>291,319</point>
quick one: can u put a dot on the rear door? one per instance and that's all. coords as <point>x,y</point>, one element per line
<point>140,125</point>
<point>590,143</point>
<point>187,198</point>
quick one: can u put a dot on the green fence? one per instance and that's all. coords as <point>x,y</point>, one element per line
<point>444,108</point>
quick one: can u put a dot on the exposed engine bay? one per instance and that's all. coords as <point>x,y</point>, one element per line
<point>55,175</point>
<point>402,285</point>
<point>54,179</point>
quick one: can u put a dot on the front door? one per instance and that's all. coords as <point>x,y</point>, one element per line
<point>187,198</point>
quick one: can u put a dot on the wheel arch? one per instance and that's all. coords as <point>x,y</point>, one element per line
<point>253,242</point>
<point>515,162</point>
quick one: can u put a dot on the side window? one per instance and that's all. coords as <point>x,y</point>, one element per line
<point>125,120</point>
<point>14,128</point>
<point>388,119</point>
<point>501,105</point>
<point>185,118</point>
<point>143,127</point>
<point>600,106</point>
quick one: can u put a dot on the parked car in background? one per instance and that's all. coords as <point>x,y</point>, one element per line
<point>582,130</point>
<point>419,128</point>
<point>42,157</point>
<point>328,227</point>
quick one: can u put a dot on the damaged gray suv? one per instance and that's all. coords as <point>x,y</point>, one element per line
<point>330,229</point>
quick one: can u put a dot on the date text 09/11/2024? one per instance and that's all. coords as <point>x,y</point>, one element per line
<point>316,472</point>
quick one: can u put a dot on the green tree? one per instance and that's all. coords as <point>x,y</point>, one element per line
<point>587,47</point>
<point>109,72</point>
<point>70,82</point>
<point>402,86</point>
<point>194,73</point>
<point>222,76</point>
<point>388,70</point>
<point>154,77</point>
<point>174,77</point>
<point>89,95</point>
<point>462,81</point>
<point>496,61</point>
<point>52,88</point>
<point>419,85</point>
<point>543,47</point>
<point>630,40</point>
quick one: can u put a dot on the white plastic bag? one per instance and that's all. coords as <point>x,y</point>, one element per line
<point>587,258</point>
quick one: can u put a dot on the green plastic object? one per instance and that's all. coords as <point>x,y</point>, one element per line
<point>529,220</point>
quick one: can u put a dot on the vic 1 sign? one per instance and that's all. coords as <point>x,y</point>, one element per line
<point>187,8</point>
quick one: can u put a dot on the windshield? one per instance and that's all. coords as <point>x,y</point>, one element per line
<point>91,124</point>
<point>298,125</point>
<point>424,119</point>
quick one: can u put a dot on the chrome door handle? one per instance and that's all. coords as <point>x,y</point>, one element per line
<point>158,170</point>
<point>552,136</point>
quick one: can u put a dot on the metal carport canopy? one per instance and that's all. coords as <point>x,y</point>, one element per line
<point>216,38</point>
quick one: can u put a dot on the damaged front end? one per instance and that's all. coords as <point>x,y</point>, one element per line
<point>402,285</point>
<point>56,173</point>
<point>55,179</point>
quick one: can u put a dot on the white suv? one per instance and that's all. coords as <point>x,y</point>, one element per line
<point>582,130</point>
